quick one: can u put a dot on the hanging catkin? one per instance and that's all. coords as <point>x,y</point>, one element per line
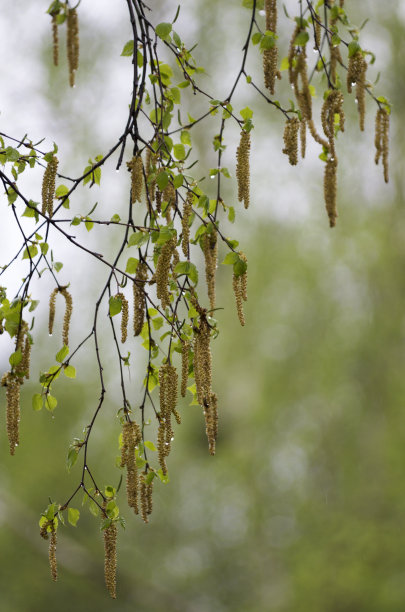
<point>48,186</point>
<point>72,44</point>
<point>110,559</point>
<point>382,124</point>
<point>243,168</point>
<point>55,40</point>
<point>141,277</point>
<point>210,249</point>
<point>356,75</point>
<point>270,55</point>
<point>135,167</point>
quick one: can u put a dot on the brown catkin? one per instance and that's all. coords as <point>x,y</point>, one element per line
<point>12,383</point>
<point>184,366</point>
<point>185,236</point>
<point>382,125</point>
<point>135,166</point>
<point>110,559</point>
<point>298,71</point>
<point>291,140</point>
<point>330,189</point>
<point>163,270</point>
<point>52,555</point>
<point>52,308</point>
<point>210,249</point>
<point>124,316</point>
<point>211,422</point>
<point>270,55</point>
<point>139,297</point>
<point>55,40</point>
<point>356,75</point>
<point>48,186</point>
<point>203,362</point>
<point>143,493</point>
<point>72,44</point>
<point>131,437</point>
<point>332,106</point>
<point>67,317</point>
<point>317,32</point>
<point>243,168</point>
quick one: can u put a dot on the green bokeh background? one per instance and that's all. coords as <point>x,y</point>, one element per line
<point>303,506</point>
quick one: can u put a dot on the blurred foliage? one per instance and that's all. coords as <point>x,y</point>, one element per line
<point>302,507</point>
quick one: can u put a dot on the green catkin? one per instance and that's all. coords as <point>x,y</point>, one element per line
<point>270,55</point>
<point>110,559</point>
<point>131,437</point>
<point>382,124</point>
<point>163,270</point>
<point>210,249</point>
<point>185,236</point>
<point>139,297</point>
<point>68,312</point>
<point>243,168</point>
<point>356,75</point>
<point>203,362</point>
<point>184,366</point>
<point>12,383</point>
<point>55,40</point>
<point>124,316</point>
<point>52,555</point>
<point>168,400</point>
<point>52,309</point>
<point>48,186</point>
<point>72,44</point>
<point>169,196</point>
<point>67,317</point>
<point>238,292</point>
<point>143,494</point>
<point>135,166</point>
<point>291,140</point>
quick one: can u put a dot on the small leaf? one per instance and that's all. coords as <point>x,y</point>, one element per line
<point>61,191</point>
<point>163,29</point>
<point>70,371</point>
<point>128,49</point>
<point>179,151</point>
<point>150,445</point>
<point>132,265</point>
<point>301,39</point>
<point>115,306</point>
<point>162,180</point>
<point>58,265</point>
<point>73,516</point>
<point>60,355</point>
<point>50,403</point>
<point>37,401</point>
<point>15,358</point>
<point>231,258</point>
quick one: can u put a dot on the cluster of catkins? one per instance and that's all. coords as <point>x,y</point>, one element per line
<point>72,41</point>
<point>333,101</point>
